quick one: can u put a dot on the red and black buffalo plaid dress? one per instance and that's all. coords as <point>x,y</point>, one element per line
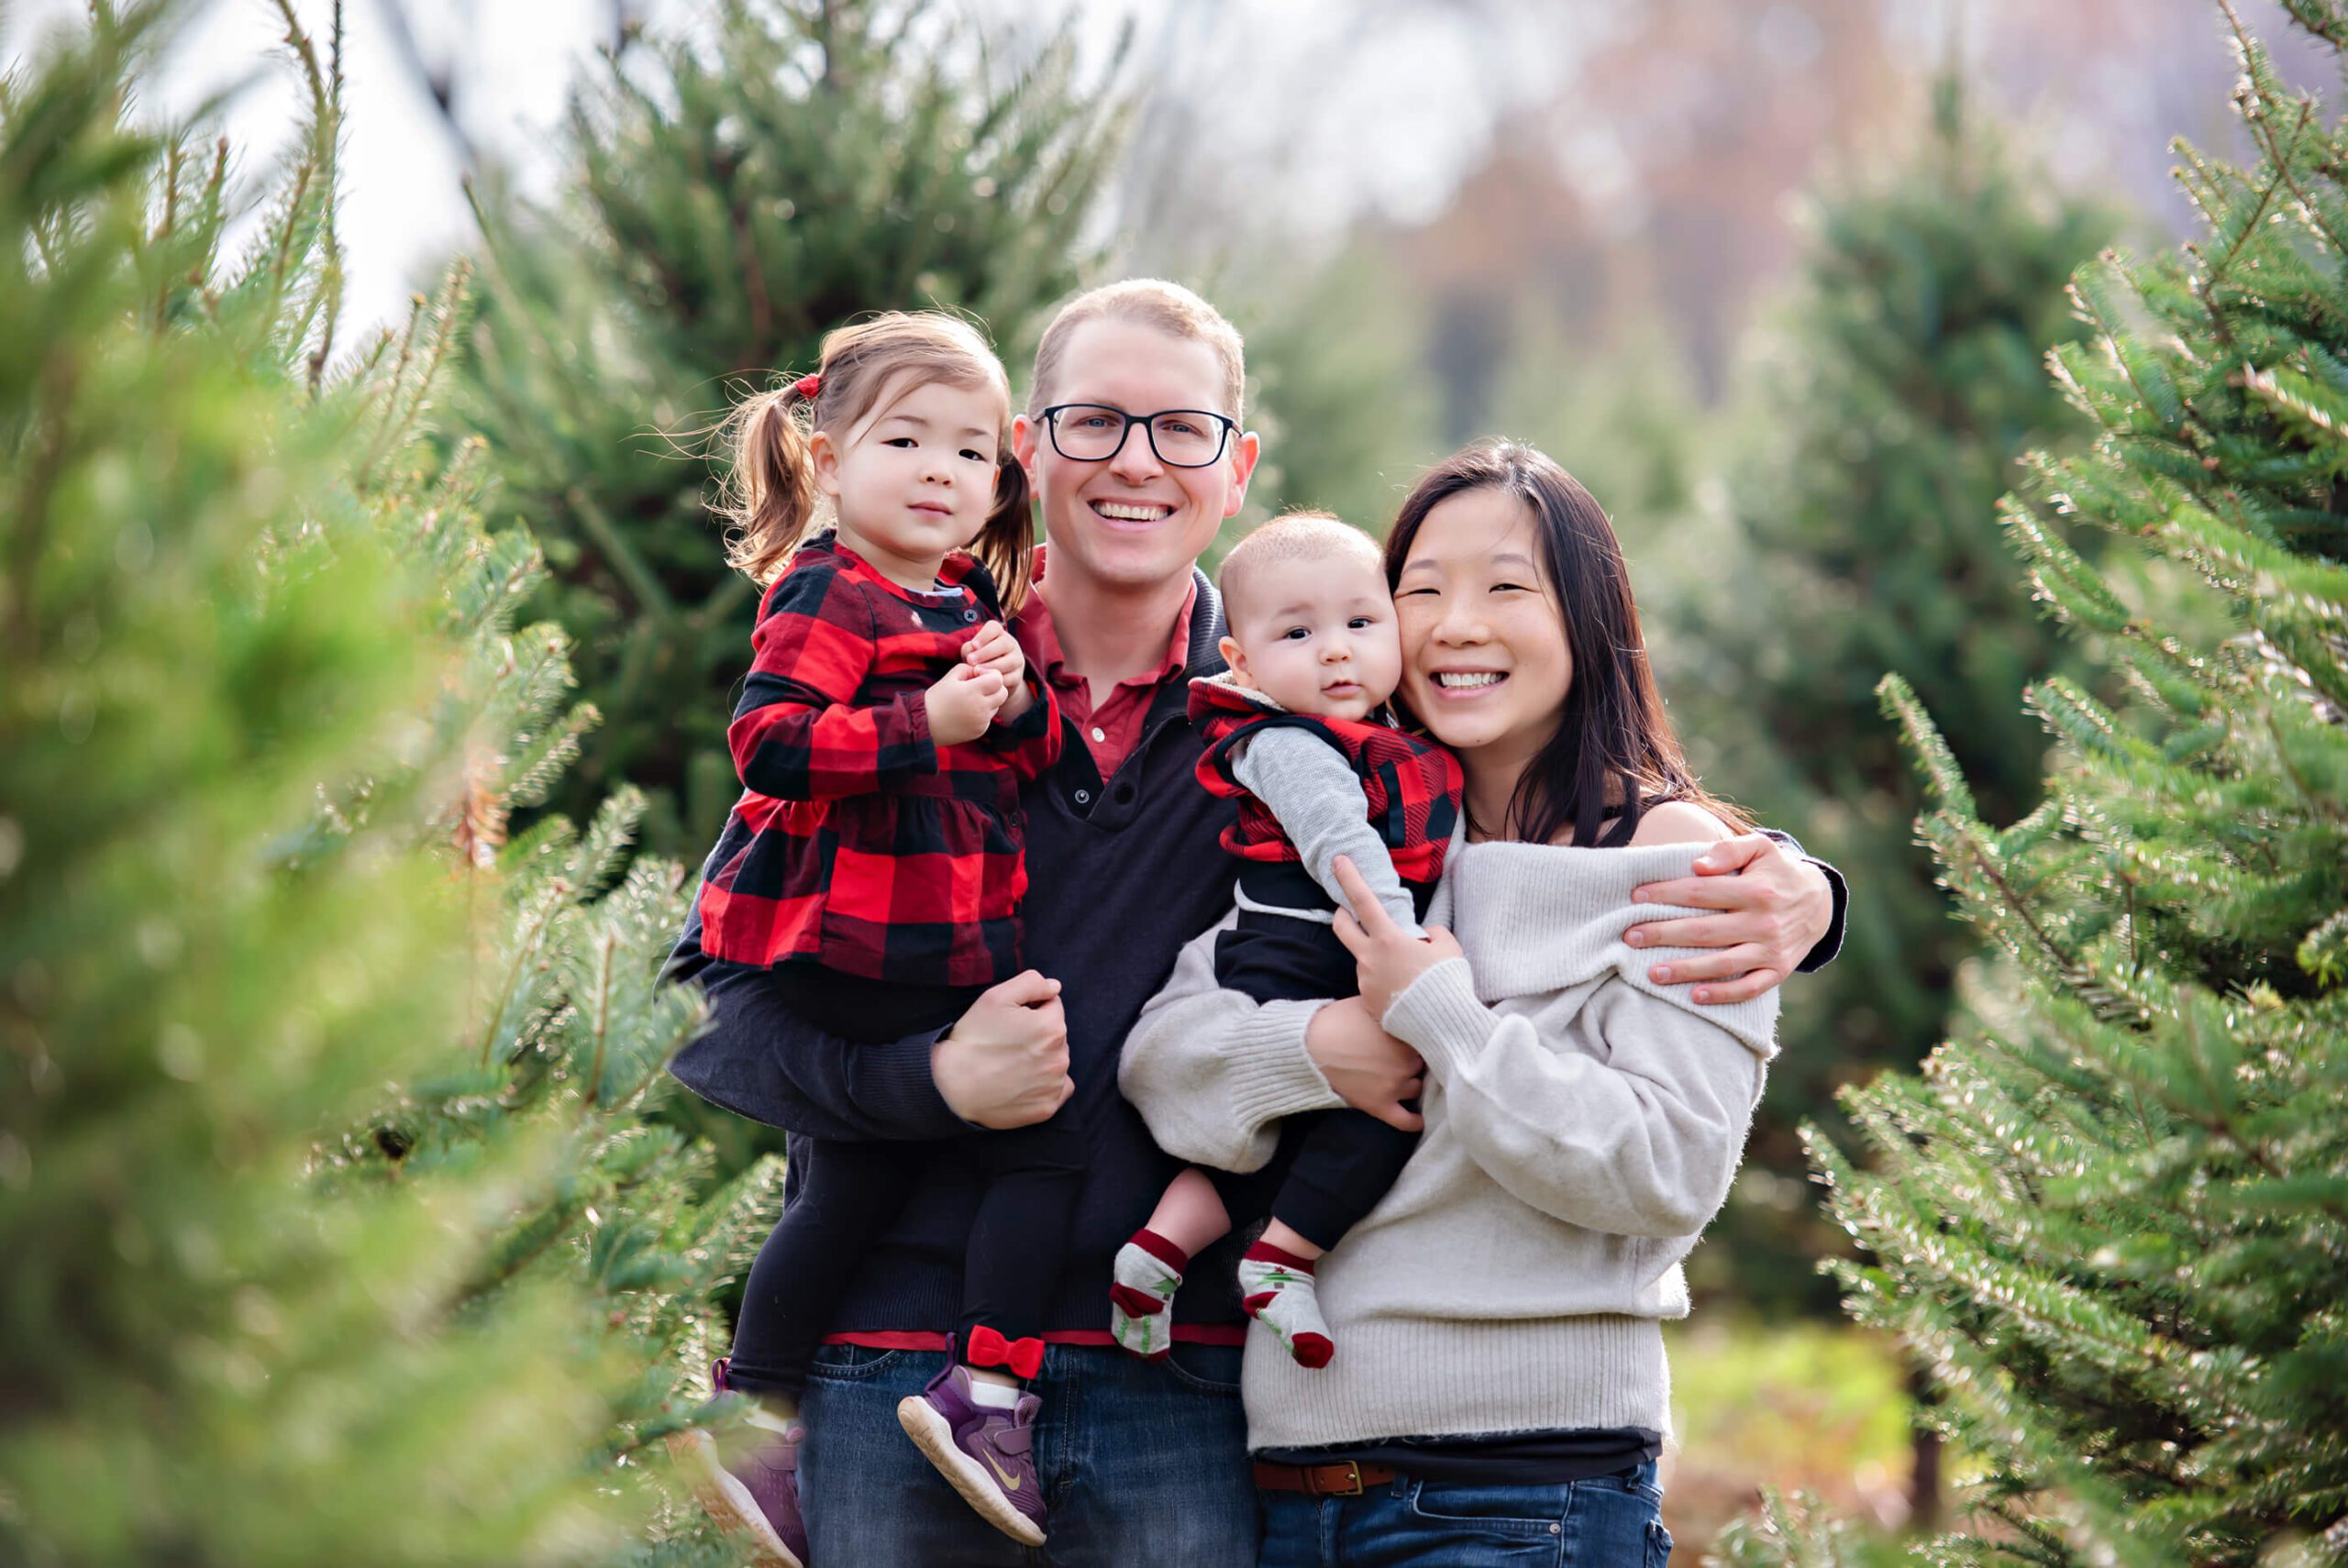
<point>1411,787</point>
<point>866,847</point>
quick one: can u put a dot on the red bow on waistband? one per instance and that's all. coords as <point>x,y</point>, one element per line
<point>1022,1358</point>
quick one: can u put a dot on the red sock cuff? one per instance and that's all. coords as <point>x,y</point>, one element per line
<point>1162,1249</point>
<point>1264,1252</point>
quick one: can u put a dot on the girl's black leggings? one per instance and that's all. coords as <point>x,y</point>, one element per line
<point>849,1193</point>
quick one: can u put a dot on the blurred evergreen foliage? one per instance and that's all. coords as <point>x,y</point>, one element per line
<point>733,196</point>
<point>1855,533</point>
<point>2112,1218</point>
<point>334,1231</point>
<point>1335,389</point>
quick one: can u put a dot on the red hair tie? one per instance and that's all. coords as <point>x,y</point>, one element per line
<point>808,386</point>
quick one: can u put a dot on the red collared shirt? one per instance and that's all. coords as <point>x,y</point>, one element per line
<point>1112,730</point>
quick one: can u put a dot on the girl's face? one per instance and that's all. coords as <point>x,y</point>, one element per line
<point>915,479</point>
<point>1485,665</point>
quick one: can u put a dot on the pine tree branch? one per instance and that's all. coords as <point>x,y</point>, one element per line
<point>2315,800</point>
<point>378,445</point>
<point>602,1024</point>
<point>754,273</point>
<point>2265,132</point>
<point>651,597</point>
<point>2308,16</point>
<point>330,276</point>
<point>165,227</point>
<point>525,951</point>
<point>2051,950</point>
<point>30,529</point>
<point>2191,421</point>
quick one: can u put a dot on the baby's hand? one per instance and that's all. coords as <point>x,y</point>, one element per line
<point>993,648</point>
<point>963,704</point>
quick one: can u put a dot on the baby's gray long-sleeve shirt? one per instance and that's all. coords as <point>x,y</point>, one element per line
<point>1308,786</point>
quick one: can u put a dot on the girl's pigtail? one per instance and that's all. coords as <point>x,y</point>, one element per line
<point>769,497</point>
<point>1006,544</point>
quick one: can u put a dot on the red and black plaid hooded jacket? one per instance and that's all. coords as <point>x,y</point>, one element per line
<point>869,848</point>
<point>1411,787</point>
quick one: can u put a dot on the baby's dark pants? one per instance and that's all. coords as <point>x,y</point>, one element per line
<point>1332,1166</point>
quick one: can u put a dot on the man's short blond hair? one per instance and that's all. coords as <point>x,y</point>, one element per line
<point>1292,536</point>
<point>1146,301</point>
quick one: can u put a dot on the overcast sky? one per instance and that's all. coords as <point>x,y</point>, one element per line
<point>1322,108</point>
<point>402,205</point>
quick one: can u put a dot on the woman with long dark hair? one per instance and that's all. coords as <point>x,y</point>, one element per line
<point>1499,1393</point>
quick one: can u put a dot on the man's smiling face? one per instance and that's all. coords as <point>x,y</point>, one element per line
<point>1131,521</point>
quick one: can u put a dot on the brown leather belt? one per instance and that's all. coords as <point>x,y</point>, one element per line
<point>1343,1480</point>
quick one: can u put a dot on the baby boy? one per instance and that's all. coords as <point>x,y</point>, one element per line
<point>1298,733</point>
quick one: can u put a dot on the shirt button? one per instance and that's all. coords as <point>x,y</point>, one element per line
<point>1084,796</point>
<point>970,614</point>
<point>1098,733</point>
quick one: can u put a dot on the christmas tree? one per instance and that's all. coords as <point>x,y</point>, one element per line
<point>733,197</point>
<point>335,1233</point>
<point>2113,1217</point>
<point>202,625</point>
<point>1892,402</point>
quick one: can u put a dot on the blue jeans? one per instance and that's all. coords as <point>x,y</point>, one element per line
<point>1609,1522</point>
<point>1141,1461</point>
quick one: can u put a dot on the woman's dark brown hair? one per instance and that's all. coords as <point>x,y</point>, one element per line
<point>1614,754</point>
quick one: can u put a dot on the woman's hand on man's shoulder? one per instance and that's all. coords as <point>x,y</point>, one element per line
<point>1678,822</point>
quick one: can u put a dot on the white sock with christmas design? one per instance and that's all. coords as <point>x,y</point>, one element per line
<point>1276,1287</point>
<point>1147,1272</point>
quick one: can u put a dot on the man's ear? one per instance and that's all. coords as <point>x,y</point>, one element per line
<point>824,461</point>
<point>1243,454</point>
<point>1233,655</point>
<point>1024,435</point>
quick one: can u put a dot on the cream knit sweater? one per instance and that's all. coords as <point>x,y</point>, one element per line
<point>1582,1126</point>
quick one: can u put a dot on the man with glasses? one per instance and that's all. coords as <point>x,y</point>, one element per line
<point>1134,444</point>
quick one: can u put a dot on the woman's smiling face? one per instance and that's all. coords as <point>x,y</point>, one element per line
<point>1485,665</point>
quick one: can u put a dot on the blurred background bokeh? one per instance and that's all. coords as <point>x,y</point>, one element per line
<point>1774,278</point>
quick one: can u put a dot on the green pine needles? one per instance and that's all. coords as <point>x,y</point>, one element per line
<point>2113,1219</point>
<point>1897,394</point>
<point>338,1226</point>
<point>733,196</point>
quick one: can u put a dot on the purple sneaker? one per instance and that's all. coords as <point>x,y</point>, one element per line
<point>984,1452</point>
<point>748,1480</point>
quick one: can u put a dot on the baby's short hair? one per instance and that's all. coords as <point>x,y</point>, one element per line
<point>1292,536</point>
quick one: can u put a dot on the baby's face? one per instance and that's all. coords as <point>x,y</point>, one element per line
<point>1318,636</point>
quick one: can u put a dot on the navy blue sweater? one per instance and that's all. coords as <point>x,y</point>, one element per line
<point>1122,872</point>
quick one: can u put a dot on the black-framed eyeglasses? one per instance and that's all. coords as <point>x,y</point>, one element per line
<point>1095,432</point>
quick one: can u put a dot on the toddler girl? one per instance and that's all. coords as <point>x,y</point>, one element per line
<point>870,875</point>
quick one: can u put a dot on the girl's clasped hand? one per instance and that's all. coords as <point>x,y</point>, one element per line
<point>989,687</point>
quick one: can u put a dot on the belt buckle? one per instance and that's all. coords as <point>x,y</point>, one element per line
<point>1353,1481</point>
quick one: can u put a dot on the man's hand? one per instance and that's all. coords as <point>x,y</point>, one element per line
<point>1773,910</point>
<point>1004,1063</point>
<point>1368,1068</point>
